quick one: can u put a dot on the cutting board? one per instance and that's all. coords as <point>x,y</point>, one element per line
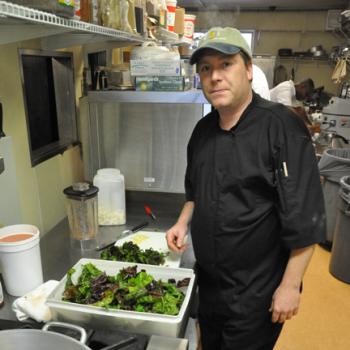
<point>155,240</point>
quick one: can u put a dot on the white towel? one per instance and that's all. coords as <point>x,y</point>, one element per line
<point>33,304</point>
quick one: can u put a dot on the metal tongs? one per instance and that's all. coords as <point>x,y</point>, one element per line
<point>124,234</point>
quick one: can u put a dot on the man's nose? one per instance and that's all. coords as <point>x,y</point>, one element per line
<point>216,74</point>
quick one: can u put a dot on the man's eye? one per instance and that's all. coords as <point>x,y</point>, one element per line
<point>227,64</point>
<point>204,69</point>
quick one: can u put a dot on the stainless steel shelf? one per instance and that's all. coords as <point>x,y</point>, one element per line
<point>191,96</point>
<point>19,23</point>
<point>305,58</point>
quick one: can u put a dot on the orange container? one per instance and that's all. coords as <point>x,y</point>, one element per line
<point>171,7</point>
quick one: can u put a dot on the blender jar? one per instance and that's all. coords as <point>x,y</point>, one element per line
<point>81,203</point>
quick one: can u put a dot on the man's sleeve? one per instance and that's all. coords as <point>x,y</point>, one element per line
<point>301,203</point>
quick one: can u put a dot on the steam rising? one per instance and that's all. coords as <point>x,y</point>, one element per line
<point>213,16</point>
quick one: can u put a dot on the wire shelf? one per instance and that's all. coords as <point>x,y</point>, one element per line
<point>40,17</point>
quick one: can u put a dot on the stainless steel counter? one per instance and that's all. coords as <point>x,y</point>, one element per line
<point>58,253</point>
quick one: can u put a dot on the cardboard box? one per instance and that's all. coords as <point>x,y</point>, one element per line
<point>160,83</point>
<point>144,83</point>
<point>179,20</point>
<point>155,67</point>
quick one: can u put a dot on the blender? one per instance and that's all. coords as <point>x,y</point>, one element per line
<point>81,203</point>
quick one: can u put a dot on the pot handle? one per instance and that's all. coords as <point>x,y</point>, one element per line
<point>81,330</point>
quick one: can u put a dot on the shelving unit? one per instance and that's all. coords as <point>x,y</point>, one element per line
<point>191,96</point>
<point>18,23</point>
<point>303,59</point>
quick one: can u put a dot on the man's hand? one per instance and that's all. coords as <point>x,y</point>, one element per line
<point>286,299</point>
<point>285,303</point>
<point>175,237</point>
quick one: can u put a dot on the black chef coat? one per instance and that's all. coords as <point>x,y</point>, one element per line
<point>257,195</point>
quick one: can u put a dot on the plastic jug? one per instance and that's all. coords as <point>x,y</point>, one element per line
<point>111,196</point>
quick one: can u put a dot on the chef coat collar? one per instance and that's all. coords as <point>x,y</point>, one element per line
<point>244,115</point>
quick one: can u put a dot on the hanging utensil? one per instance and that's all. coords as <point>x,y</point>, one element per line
<point>124,234</point>
<point>2,134</point>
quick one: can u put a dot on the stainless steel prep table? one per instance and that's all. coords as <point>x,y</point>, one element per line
<point>58,255</point>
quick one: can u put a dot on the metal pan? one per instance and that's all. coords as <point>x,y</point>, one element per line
<point>44,339</point>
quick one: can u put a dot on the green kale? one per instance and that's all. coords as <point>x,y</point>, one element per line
<point>131,252</point>
<point>128,290</point>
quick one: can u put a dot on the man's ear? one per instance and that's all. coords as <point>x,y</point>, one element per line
<point>250,71</point>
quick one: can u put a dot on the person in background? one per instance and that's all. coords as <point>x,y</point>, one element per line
<point>259,83</point>
<point>254,203</point>
<point>289,93</point>
<point>292,95</point>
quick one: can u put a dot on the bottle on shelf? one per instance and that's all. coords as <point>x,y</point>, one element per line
<point>139,17</point>
<point>131,16</point>
<point>162,14</point>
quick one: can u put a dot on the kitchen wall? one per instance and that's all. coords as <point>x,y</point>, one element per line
<point>40,187</point>
<point>297,30</point>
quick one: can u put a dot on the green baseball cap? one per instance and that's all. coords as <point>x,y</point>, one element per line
<point>225,40</point>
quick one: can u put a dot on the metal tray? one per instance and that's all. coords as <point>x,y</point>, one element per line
<point>138,322</point>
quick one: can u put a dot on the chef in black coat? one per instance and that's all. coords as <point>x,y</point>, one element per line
<point>254,203</point>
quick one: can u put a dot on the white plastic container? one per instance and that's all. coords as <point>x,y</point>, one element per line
<point>20,259</point>
<point>139,322</point>
<point>111,196</point>
<point>189,26</point>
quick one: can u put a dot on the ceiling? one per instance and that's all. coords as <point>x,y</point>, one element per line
<point>277,5</point>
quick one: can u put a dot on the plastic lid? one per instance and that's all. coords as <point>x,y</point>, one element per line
<point>108,171</point>
<point>81,190</point>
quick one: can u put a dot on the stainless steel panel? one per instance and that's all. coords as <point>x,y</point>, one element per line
<point>191,96</point>
<point>146,141</point>
<point>160,343</point>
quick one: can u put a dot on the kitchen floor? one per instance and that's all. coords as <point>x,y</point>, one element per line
<point>324,316</point>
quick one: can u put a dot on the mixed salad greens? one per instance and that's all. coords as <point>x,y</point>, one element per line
<point>131,252</point>
<point>128,290</point>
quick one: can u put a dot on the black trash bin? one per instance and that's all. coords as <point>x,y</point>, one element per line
<point>340,257</point>
<point>333,165</point>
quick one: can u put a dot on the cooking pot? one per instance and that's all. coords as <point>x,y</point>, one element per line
<point>319,53</point>
<point>36,339</point>
<point>149,50</point>
<point>285,52</point>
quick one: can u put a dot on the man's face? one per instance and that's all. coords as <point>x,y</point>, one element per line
<point>225,79</point>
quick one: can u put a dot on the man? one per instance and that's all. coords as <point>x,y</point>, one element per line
<point>292,95</point>
<point>289,93</point>
<point>259,83</point>
<point>253,201</point>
